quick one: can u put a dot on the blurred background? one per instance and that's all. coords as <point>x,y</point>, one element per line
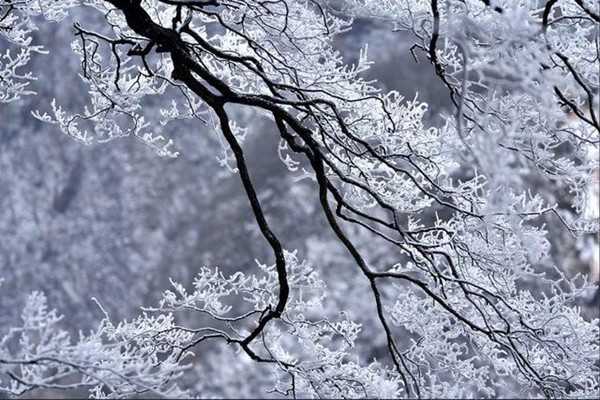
<point>115,221</point>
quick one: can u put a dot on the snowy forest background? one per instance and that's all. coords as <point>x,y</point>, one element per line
<point>115,222</point>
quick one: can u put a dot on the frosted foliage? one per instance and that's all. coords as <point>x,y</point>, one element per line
<point>113,361</point>
<point>522,74</point>
<point>313,352</point>
<point>453,309</point>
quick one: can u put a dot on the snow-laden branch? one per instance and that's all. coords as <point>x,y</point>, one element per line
<point>113,361</point>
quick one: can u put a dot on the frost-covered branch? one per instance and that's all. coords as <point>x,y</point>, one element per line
<point>113,361</point>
